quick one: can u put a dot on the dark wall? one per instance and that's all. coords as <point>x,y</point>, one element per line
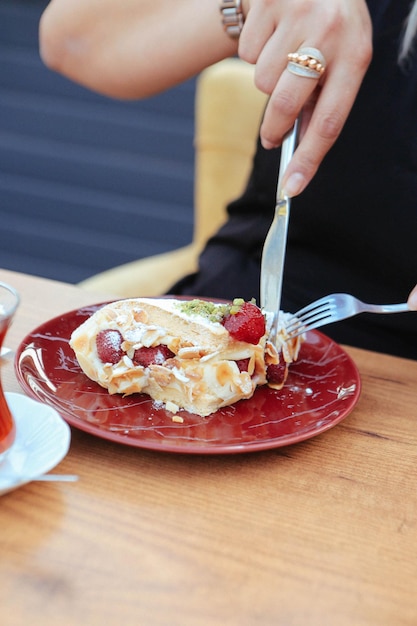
<point>86,182</point>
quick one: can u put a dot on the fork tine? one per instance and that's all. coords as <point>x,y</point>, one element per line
<point>309,315</point>
<point>312,305</point>
<point>293,325</point>
<point>313,317</point>
<point>296,330</point>
<point>304,329</point>
<point>323,315</point>
<point>320,310</point>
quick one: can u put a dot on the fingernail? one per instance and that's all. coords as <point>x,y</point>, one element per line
<point>268,145</point>
<point>294,185</point>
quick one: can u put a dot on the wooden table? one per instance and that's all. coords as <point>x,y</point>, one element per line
<point>320,533</point>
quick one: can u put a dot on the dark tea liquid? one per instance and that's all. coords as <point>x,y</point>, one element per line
<point>7,426</point>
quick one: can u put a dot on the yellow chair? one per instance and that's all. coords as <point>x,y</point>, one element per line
<point>228,111</point>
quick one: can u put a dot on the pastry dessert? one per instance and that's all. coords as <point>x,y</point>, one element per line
<point>187,354</point>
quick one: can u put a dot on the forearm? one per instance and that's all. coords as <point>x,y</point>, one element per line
<point>132,48</point>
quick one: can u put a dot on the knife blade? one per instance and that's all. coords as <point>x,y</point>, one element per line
<point>273,254</point>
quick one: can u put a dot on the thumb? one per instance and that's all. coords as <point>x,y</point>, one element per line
<point>412,299</point>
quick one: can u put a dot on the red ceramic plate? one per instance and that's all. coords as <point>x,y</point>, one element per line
<point>322,388</point>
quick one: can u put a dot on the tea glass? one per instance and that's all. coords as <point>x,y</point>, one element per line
<point>9,301</point>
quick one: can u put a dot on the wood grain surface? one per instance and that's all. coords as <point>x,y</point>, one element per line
<point>320,533</point>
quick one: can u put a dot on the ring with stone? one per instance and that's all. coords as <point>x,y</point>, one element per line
<point>306,62</point>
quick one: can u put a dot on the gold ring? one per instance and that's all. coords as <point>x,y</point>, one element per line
<point>306,62</point>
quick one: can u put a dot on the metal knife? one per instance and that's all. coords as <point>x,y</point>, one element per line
<point>273,254</point>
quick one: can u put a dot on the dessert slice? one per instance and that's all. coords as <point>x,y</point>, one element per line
<point>187,354</point>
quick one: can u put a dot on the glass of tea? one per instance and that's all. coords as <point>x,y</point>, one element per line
<point>9,301</point>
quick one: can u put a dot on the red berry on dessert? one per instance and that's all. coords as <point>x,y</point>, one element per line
<point>109,346</point>
<point>246,323</point>
<point>276,373</point>
<point>243,364</point>
<point>156,355</point>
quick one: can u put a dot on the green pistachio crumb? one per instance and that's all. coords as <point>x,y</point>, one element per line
<point>211,311</point>
<point>237,304</point>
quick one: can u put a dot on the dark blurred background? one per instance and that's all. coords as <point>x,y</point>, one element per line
<point>86,182</point>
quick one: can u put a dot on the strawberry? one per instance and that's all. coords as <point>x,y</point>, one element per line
<point>275,373</point>
<point>155,355</point>
<point>246,324</point>
<point>243,364</point>
<point>109,346</point>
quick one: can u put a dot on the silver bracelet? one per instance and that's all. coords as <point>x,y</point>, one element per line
<point>232,17</point>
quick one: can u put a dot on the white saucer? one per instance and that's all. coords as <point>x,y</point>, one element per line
<point>42,441</point>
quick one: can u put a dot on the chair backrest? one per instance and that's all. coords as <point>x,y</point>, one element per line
<point>228,112</point>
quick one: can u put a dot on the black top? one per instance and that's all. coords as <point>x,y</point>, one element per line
<point>354,229</point>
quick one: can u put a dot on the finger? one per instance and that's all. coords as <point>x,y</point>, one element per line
<point>257,31</point>
<point>333,106</point>
<point>273,59</point>
<point>287,100</point>
<point>412,299</point>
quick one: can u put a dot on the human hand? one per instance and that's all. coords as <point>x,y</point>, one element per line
<point>342,31</point>
<point>412,299</point>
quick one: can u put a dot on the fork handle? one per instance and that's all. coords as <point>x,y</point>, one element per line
<point>388,308</point>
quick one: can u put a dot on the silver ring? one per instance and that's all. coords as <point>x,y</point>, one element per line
<point>306,62</point>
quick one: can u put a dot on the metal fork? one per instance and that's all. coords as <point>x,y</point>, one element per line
<point>334,308</point>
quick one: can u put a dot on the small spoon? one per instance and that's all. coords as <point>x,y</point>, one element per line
<point>66,478</point>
